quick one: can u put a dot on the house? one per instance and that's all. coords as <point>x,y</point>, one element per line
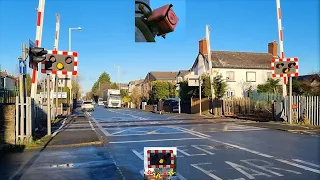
<point>8,81</point>
<point>240,70</point>
<point>124,86</point>
<point>134,84</point>
<point>164,76</point>
<point>183,75</point>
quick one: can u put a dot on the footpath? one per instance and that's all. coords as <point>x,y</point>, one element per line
<point>76,130</point>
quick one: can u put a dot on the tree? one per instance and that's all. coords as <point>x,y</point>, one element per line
<point>270,86</point>
<point>103,80</point>
<point>206,86</point>
<point>172,90</point>
<point>159,90</point>
<point>76,89</point>
<point>219,86</point>
<point>114,86</point>
<point>123,93</point>
<point>29,83</point>
<point>136,96</point>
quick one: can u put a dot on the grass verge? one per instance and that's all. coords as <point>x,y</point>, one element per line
<point>39,143</point>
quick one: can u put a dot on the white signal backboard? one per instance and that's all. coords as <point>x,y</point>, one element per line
<point>64,81</point>
<point>193,80</point>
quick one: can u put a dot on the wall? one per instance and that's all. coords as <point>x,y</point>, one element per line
<point>7,123</point>
<point>240,84</point>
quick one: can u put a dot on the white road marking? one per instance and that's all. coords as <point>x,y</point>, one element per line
<point>243,168</point>
<point>204,136</point>
<point>267,166</point>
<point>205,171</point>
<point>118,132</point>
<point>91,125</point>
<point>299,166</point>
<point>196,146</point>
<point>100,127</point>
<point>138,154</point>
<point>62,125</point>
<point>171,117</point>
<point>187,154</point>
<point>153,140</point>
<point>307,163</point>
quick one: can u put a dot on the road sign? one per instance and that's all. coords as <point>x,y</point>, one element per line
<point>286,67</point>
<point>64,81</point>
<point>22,67</point>
<point>61,95</point>
<point>60,62</point>
<point>193,80</point>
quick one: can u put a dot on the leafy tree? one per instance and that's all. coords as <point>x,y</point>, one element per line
<point>114,86</point>
<point>123,93</point>
<point>206,87</point>
<point>103,80</point>
<point>219,86</point>
<point>172,90</point>
<point>186,92</point>
<point>270,86</point>
<point>159,90</point>
<point>136,96</point>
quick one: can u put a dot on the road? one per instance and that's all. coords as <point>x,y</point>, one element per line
<point>207,149</point>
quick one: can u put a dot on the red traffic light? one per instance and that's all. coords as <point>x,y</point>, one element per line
<point>291,65</point>
<point>279,65</point>
<point>52,59</point>
<point>68,60</point>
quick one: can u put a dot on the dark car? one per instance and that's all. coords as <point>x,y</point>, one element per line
<point>171,105</point>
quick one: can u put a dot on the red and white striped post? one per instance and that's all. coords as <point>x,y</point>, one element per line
<point>55,47</point>
<point>39,26</point>
<point>280,33</point>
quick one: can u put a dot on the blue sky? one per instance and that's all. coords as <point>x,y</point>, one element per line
<point>107,38</point>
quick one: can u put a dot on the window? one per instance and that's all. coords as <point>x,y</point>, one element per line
<point>251,76</point>
<point>230,93</point>
<point>230,76</point>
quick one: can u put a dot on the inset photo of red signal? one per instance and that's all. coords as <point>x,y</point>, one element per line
<point>151,23</point>
<point>160,162</point>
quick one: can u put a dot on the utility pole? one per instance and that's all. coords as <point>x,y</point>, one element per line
<point>22,71</point>
<point>48,106</point>
<point>200,105</point>
<point>56,45</point>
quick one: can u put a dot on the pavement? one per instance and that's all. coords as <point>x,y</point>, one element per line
<point>206,149</point>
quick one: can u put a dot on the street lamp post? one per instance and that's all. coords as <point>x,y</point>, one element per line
<point>118,76</point>
<point>78,28</point>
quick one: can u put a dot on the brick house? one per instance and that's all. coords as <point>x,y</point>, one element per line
<point>165,76</point>
<point>240,70</point>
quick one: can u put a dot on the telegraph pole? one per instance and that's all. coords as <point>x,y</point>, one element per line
<point>48,105</point>
<point>200,95</point>
<point>22,69</point>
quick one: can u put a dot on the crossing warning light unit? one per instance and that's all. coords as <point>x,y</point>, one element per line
<point>160,162</point>
<point>286,67</point>
<point>60,62</point>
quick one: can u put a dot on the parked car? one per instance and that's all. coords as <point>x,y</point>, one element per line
<point>171,105</point>
<point>87,106</point>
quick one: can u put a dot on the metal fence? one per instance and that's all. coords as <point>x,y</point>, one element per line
<point>306,107</point>
<point>8,96</point>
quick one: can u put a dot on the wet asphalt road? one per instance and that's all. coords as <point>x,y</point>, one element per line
<point>206,150</point>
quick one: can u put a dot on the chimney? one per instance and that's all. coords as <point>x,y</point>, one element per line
<point>203,46</point>
<point>273,48</point>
